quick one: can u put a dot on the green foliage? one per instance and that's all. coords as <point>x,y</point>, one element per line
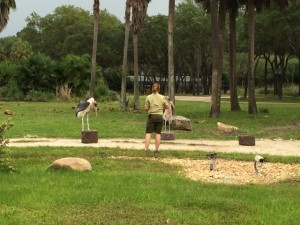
<point>102,92</point>
<point>8,70</point>
<point>69,31</point>
<point>37,72</point>
<point>263,110</point>
<point>112,76</point>
<point>5,165</point>
<point>75,72</point>
<point>39,96</point>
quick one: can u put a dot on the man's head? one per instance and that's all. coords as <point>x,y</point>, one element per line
<point>155,88</point>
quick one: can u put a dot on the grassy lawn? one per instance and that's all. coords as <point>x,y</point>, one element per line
<point>57,119</point>
<point>133,192</point>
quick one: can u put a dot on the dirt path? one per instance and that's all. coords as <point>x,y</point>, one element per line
<point>263,146</point>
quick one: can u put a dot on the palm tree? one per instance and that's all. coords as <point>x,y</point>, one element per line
<point>214,112</point>
<point>5,6</point>
<point>139,11</point>
<point>233,10</point>
<point>125,54</point>
<point>96,9</point>
<point>171,78</point>
<point>252,108</point>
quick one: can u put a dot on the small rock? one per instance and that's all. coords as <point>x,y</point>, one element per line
<point>8,112</point>
<point>71,163</point>
<point>226,128</point>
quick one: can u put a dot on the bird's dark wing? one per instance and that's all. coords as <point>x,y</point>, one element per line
<point>82,106</point>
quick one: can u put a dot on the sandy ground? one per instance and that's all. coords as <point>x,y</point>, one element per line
<point>230,171</point>
<point>263,146</point>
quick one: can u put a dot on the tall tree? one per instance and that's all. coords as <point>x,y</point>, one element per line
<point>139,12</point>
<point>5,6</point>
<point>171,77</point>
<point>215,75</point>
<point>125,54</point>
<point>252,108</point>
<point>96,9</point>
<point>217,11</point>
<point>233,10</point>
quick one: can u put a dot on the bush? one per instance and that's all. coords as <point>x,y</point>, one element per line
<point>102,92</point>
<point>5,165</point>
<point>11,93</point>
<point>264,110</point>
<point>39,96</point>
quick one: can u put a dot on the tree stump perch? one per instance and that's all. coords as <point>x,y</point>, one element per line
<point>89,136</point>
<point>170,136</point>
<point>247,140</point>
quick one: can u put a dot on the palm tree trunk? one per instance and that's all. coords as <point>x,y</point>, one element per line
<point>136,72</point>
<point>214,112</point>
<point>299,73</point>
<point>252,108</point>
<point>266,76</point>
<point>171,78</point>
<point>234,101</point>
<point>221,23</point>
<point>125,55</point>
<point>96,9</point>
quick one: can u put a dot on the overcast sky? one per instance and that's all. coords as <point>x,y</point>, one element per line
<point>44,7</point>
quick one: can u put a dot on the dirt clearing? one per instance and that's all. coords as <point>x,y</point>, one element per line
<point>230,171</point>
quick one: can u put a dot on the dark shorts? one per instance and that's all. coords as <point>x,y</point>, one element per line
<point>154,123</point>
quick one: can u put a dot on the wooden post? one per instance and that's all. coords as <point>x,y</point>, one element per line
<point>170,136</point>
<point>247,140</point>
<point>89,136</point>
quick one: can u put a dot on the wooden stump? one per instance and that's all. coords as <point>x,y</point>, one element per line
<point>247,140</point>
<point>167,136</point>
<point>89,136</point>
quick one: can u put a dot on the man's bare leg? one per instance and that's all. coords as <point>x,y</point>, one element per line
<point>147,141</point>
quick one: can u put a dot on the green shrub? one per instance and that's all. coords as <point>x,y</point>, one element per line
<point>5,165</point>
<point>102,92</point>
<point>11,93</point>
<point>291,90</point>
<point>264,110</point>
<point>39,96</point>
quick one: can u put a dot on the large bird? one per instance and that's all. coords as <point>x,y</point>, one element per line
<point>83,108</point>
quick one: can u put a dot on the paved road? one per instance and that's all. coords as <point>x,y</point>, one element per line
<point>263,146</point>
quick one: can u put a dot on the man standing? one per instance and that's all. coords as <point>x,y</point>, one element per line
<point>154,105</point>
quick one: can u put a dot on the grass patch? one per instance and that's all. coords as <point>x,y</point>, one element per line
<point>57,119</point>
<point>133,192</point>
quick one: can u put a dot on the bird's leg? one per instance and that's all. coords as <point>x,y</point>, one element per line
<point>169,126</point>
<point>87,120</point>
<point>165,123</point>
<point>82,122</point>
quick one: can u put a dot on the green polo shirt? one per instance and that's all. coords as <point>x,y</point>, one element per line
<point>155,103</point>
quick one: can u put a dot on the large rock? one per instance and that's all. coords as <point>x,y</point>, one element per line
<point>181,123</point>
<point>71,163</point>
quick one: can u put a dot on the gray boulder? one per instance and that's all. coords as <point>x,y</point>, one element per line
<point>71,163</point>
<point>181,123</point>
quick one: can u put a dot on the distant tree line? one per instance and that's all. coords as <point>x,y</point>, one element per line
<point>51,56</point>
